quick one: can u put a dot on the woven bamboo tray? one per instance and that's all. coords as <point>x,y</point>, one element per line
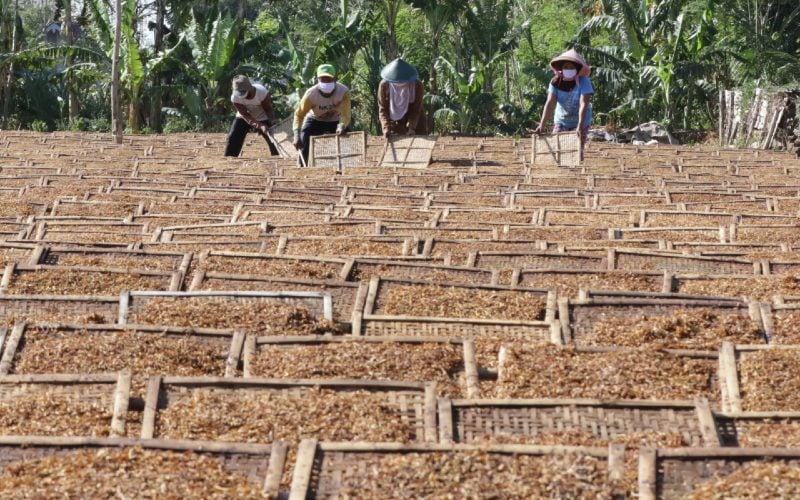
<point>561,199</point>
<point>761,394</point>
<point>363,270</point>
<point>552,216</point>
<point>283,216</point>
<point>413,402</point>
<point>347,297</point>
<point>640,260</point>
<point>283,135</point>
<point>675,234</point>
<point>466,381</point>
<point>81,277</point>
<point>322,470</point>
<point>333,228</point>
<point>133,305</point>
<point>531,420</point>
<point>351,246</point>
<point>154,221</point>
<point>304,195</point>
<point>276,266</point>
<point>58,308</point>
<point>785,233</point>
<point>15,252</point>
<point>489,215</point>
<point>562,149</point>
<point>390,213</point>
<point>483,199</point>
<point>449,232</point>
<point>111,391</point>
<point>228,344</point>
<point>627,201</point>
<point>782,319</point>
<point>757,287</point>
<point>536,260</point>
<point>266,244</point>
<point>407,152</point>
<point>95,208</point>
<point>237,230</point>
<point>777,429</point>
<point>568,282</point>
<point>774,266</point>
<point>674,473</point>
<point>338,151</point>
<point>705,362</point>
<point>190,206</point>
<point>549,233</point>
<point>661,218</point>
<point>593,308</point>
<point>260,464</point>
<point>771,219</point>
<point>380,288</point>
<point>103,257</point>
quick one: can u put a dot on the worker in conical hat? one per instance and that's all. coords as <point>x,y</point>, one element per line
<point>400,100</point>
<point>570,95</point>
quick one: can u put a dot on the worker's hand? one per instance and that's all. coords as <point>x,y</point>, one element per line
<point>263,129</point>
<point>581,135</point>
<point>541,129</point>
<point>339,130</point>
<point>298,144</point>
<point>411,131</point>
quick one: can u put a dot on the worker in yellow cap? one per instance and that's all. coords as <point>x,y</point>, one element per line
<point>324,109</point>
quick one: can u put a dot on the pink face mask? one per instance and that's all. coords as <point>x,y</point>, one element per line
<point>569,74</point>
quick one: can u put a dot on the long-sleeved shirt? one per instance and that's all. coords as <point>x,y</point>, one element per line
<point>333,108</point>
<point>411,118</point>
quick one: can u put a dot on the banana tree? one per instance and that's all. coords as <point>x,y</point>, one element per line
<point>136,69</point>
<point>648,64</point>
<point>463,97</point>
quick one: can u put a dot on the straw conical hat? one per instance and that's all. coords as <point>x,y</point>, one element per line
<point>572,56</point>
<point>399,71</point>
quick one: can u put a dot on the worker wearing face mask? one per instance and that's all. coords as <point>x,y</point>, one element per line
<point>570,93</point>
<point>324,109</point>
<point>400,99</point>
<point>254,111</point>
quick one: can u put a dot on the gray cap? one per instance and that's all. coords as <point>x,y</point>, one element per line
<point>241,85</point>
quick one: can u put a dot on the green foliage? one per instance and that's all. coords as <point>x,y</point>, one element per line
<point>484,63</point>
<point>40,126</point>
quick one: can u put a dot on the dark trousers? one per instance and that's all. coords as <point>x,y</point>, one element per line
<point>312,127</point>
<point>239,130</point>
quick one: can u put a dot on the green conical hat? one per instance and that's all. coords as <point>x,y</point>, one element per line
<point>399,71</point>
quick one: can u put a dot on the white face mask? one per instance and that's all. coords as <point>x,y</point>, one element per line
<point>569,74</point>
<point>327,88</point>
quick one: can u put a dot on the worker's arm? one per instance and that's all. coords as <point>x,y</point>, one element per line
<point>300,113</point>
<point>344,113</point>
<point>383,106</point>
<point>246,116</point>
<point>586,100</point>
<point>547,113</point>
<point>415,108</point>
<point>266,104</point>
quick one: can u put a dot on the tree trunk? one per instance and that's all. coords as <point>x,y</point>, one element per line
<point>9,80</point>
<point>116,122</point>
<point>158,46</point>
<point>74,103</point>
